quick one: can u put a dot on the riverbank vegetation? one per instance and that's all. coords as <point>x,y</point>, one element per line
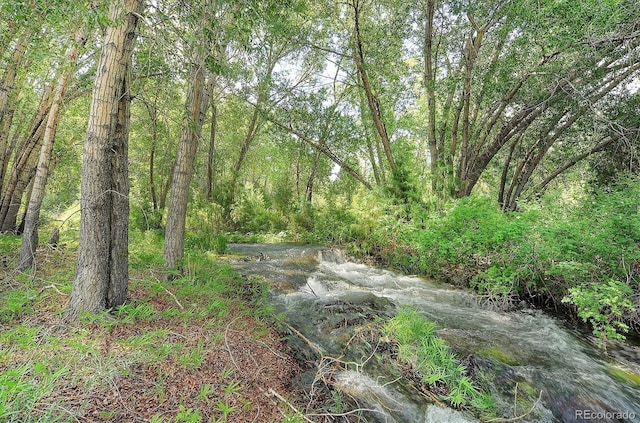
<point>576,255</point>
<point>195,349</point>
<point>493,145</point>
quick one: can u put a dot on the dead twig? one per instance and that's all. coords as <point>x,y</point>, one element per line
<point>513,419</point>
<point>291,406</point>
<point>226,342</point>
<point>169,292</point>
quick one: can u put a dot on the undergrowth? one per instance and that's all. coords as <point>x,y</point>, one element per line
<point>581,257</point>
<point>437,366</point>
<point>170,345</point>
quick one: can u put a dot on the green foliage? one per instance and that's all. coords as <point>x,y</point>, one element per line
<point>585,251</point>
<point>131,313</point>
<point>432,358</point>
<point>331,225</point>
<point>192,357</point>
<point>16,303</point>
<point>602,305</point>
<point>23,387</point>
<point>206,241</point>
<point>145,249</point>
<point>403,186</point>
<point>188,415</point>
<point>251,212</point>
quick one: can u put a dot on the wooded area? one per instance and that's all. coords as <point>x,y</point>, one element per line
<point>492,145</point>
<point>259,116</point>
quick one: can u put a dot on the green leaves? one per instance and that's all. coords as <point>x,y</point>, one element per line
<point>602,305</point>
<point>432,358</point>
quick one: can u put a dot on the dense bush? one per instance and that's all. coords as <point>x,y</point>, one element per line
<point>581,258</point>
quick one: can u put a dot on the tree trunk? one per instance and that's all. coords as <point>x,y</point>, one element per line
<point>312,177</point>
<point>22,172</point>
<point>5,147</point>
<point>255,122</point>
<point>30,234</point>
<point>430,88</point>
<point>251,134</point>
<point>322,147</point>
<point>6,87</point>
<point>183,170</point>
<point>211,154</point>
<point>119,211</point>
<point>572,162</point>
<point>24,161</point>
<point>102,267</point>
<point>372,100</point>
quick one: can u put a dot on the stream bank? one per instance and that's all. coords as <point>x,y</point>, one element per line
<point>526,355</point>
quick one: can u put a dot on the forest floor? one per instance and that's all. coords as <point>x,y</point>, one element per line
<point>194,349</point>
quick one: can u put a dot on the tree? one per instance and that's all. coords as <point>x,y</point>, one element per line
<point>30,234</point>
<point>25,158</point>
<point>195,110</point>
<point>529,75</point>
<point>101,279</point>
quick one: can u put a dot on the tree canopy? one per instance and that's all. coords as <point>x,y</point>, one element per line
<point>251,111</point>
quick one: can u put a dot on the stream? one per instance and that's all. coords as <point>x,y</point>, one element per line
<point>556,373</point>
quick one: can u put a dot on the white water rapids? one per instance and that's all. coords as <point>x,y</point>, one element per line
<point>578,381</point>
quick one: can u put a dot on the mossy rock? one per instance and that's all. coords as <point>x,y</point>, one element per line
<point>625,375</point>
<point>499,355</point>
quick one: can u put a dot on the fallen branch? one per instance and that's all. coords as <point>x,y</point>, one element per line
<point>226,342</point>
<point>291,406</point>
<point>169,292</point>
<point>305,339</point>
<point>52,287</point>
<point>513,419</point>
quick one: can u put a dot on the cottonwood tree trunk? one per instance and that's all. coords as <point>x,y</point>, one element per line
<point>30,222</point>
<point>372,100</point>
<point>6,86</point>
<point>101,279</point>
<point>22,169</point>
<point>5,146</point>
<point>197,100</point>
<point>211,154</point>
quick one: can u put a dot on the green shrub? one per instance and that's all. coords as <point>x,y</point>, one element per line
<point>432,358</point>
<point>545,253</point>
<point>602,305</point>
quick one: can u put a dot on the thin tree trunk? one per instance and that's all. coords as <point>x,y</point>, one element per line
<point>474,42</point>
<point>248,139</point>
<point>22,172</point>
<point>505,174</point>
<point>6,87</point>
<point>255,122</point>
<point>572,162</point>
<point>183,170</point>
<point>211,154</point>
<point>430,85</point>
<point>104,202</point>
<point>372,100</point>
<point>320,146</point>
<point>25,158</point>
<point>5,148</point>
<point>312,177</point>
<point>30,235</point>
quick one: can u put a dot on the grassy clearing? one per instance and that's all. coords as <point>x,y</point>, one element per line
<point>190,350</point>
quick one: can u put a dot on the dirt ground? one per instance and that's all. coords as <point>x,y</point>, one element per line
<point>230,368</point>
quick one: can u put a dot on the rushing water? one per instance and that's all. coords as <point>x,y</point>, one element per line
<point>577,381</point>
